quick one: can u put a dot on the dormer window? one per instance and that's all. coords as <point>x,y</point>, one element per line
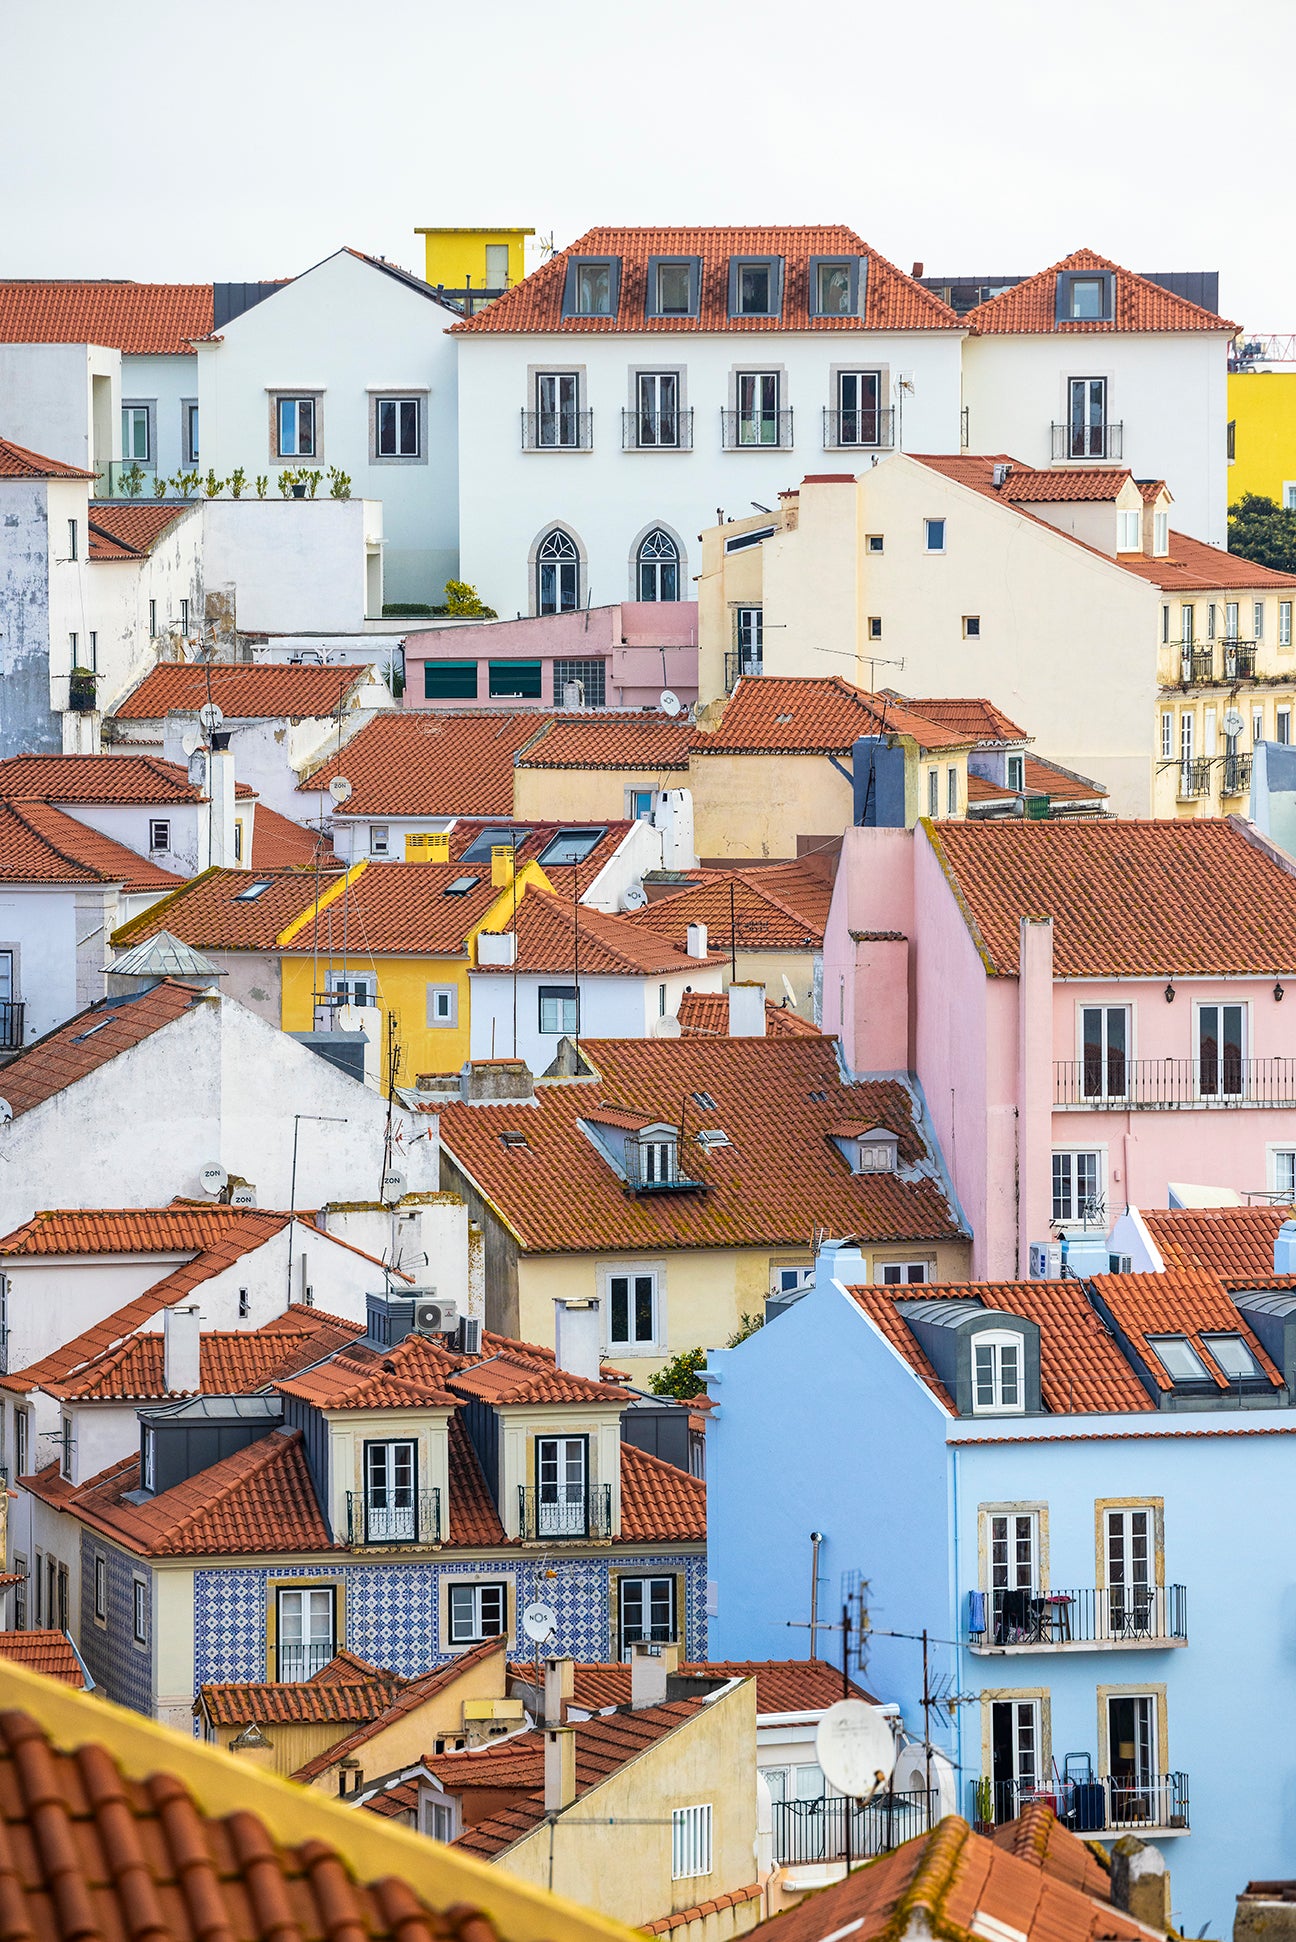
<point>1087,297</point>
<point>836,286</point>
<point>657,1161</point>
<point>873,1149</point>
<point>1084,296</point>
<point>651,1160</point>
<point>1129,531</point>
<point>755,286</point>
<point>997,1373</point>
<point>673,284</point>
<point>592,287</point>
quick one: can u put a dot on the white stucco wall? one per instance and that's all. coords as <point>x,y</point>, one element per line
<point>119,595</point>
<point>43,602</point>
<point>58,934</point>
<point>610,1008</point>
<point>128,823</point>
<point>47,400</point>
<point>291,564</point>
<point>165,382</point>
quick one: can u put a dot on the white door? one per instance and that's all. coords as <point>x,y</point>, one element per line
<point>1129,1571</point>
<point>1014,1573</point>
<point>306,1642</point>
<point>561,1494</point>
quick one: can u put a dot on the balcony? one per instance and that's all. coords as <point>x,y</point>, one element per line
<point>657,431</point>
<point>742,664</point>
<point>867,430</point>
<point>557,431</point>
<point>1195,778</point>
<point>810,1831</point>
<point>13,1011</point>
<point>1107,1804</point>
<point>1196,664</point>
<point>371,1526</point>
<point>297,1662</point>
<point>1125,1085</point>
<point>1237,776</point>
<point>1088,441</point>
<point>1085,1620</point>
<point>750,431</point>
<point>1239,660</point>
<point>125,479</point>
<point>570,1511</point>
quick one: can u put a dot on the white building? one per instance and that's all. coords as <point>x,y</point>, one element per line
<point>182,819</point>
<point>44,605</point>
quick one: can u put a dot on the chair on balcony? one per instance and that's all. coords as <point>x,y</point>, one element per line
<point>1015,1621</point>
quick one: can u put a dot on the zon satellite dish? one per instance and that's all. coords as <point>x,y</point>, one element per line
<point>539,1622</point>
<point>191,741</point>
<point>210,716</point>
<point>393,1185</point>
<point>340,790</point>
<point>1233,723</point>
<point>855,1747</point>
<point>669,702</point>
<point>635,898</point>
<point>213,1178</point>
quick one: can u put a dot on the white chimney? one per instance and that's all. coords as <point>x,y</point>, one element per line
<point>696,941</point>
<point>576,1337</point>
<point>650,1667</point>
<point>220,787</point>
<point>559,1686</point>
<point>746,1011</point>
<point>181,1336</point>
<point>496,947</point>
<point>673,818</point>
<point>559,1768</point>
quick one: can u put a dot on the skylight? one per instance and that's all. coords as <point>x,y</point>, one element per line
<point>253,891</point>
<point>478,851</point>
<point>1178,1358</point>
<point>705,1100</point>
<point>572,845</point>
<point>713,1136</point>
<point>1233,1356</point>
<point>91,1030</point>
<point>513,1139</point>
<point>461,886</point>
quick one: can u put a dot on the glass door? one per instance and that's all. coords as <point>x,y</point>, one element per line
<point>556,422</point>
<point>1132,1740</point>
<point>758,415</point>
<point>1105,1051</point>
<point>1014,1547</point>
<point>1014,1754</point>
<point>1088,416</point>
<point>561,1497</point>
<point>659,408</point>
<point>1129,1572</point>
<point>1220,1049</point>
<point>857,408</point>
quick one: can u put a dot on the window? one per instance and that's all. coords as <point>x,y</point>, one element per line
<point>1282,725</point>
<point>674,287</point>
<point>592,289</point>
<point>1220,1050</point>
<point>934,535</point>
<point>461,886</point>
<point>750,635</point>
<point>1178,1358</point>
<point>92,658</point>
<point>72,539</point>
<point>1016,771</point>
<point>1012,1547</point>
<point>971,627</point>
<point>1088,418</point>
<point>645,1611</point>
<point>442,1005</point>
<point>997,1373</point>
<point>449,680</point>
<point>658,567</point>
<point>391,1514</point>
<point>139,1611</point>
<point>832,289</point>
<point>572,846</point>
<point>1167,736</point>
<point>1257,723</point>
<point>1128,1534</point>
<point>307,1630</point>
<point>903,1274</point>
<point>1284,623</point>
<point>295,428</point>
<point>253,891</point>
<point>557,413</point>
<point>73,650</point>
<point>159,833</point>
<point>379,839</point>
<point>1016,1754</point>
<point>20,1442</point>
<point>1165,623</point>
<point>352,987</point>
<point>875,627</point>
<point>640,804</point>
<point>38,1588</point>
<point>1282,1173</point>
<point>514,680</point>
<point>1161,532</point>
<point>1187,740</point>
<point>1129,531</point>
<point>136,448</point>
<point>875,542</point>
<point>562,1498</point>
<point>1233,1356</point>
<point>1230,620</point>
<point>1086,298</point>
<point>396,428</point>
<point>62,1598</point>
<point>951,792</point>
<point>476,1613</point>
<point>752,537</point>
<point>20,1593</point>
<point>632,1311</point>
<point>1186,613</point>
<point>758,408</point>
<point>65,1446</point>
<point>1211,623</point>
<point>657,419</point>
<point>690,1842</point>
<point>858,417</point>
<point>589,676</point>
<point>1104,1051</point>
<point>1076,1186</point>
<point>152,619</point>
<point>100,1587</point>
<point>1257,620</point>
<point>753,288</point>
<point>933,793</point>
<point>559,1010</point>
<point>439,1820</point>
<point>557,574</point>
<point>244,1303</point>
<point>1132,1756</point>
<point>189,432</point>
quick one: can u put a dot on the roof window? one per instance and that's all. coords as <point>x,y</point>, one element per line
<point>673,283</point>
<point>1084,296</point>
<point>755,286</point>
<point>713,1136</point>
<point>253,891</point>
<point>514,1140</point>
<point>1178,1358</point>
<point>593,286</point>
<point>836,286</point>
<point>478,851</point>
<point>997,1373</point>
<point>1234,1357</point>
<point>572,845</point>
<point>91,1030</point>
<point>461,886</point>
<point>705,1100</point>
<point>741,541</point>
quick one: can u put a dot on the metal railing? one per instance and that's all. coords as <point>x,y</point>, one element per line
<point>652,1167</point>
<point>744,431</point>
<point>1102,1615</point>
<point>13,1012</point>
<point>1089,441</point>
<point>738,665</point>
<point>416,1520</point>
<point>874,429</point>
<point>1222,1080</point>
<point>1239,660</point>
<point>1145,1802</point>
<point>304,1661</point>
<point>1237,775</point>
<point>557,431</point>
<point>1195,778</point>
<point>1196,664</point>
<point>657,431</point>
<point>815,1830</point>
<point>564,1510</point>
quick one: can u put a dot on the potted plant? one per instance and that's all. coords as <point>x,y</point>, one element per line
<point>81,691</point>
<point>288,485</point>
<point>160,486</point>
<point>983,1805</point>
<point>262,484</point>
<point>131,480</point>
<point>212,486</point>
<point>339,484</point>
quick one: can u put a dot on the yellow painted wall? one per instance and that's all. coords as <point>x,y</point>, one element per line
<point>625,1871</point>
<point>1262,408</point>
<point>584,795</point>
<point>757,805</point>
<point>1273,686</point>
<point>415,1733</point>
<point>453,257</point>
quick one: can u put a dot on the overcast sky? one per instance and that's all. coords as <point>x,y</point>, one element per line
<point>248,138</point>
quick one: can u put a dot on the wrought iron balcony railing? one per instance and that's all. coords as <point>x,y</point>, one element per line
<point>1088,441</point>
<point>303,1661</point>
<point>1196,664</point>
<point>815,1830</point>
<point>740,664</point>
<point>557,431</point>
<point>1224,1079</point>
<point>657,431</point>
<point>1031,1621</point>
<point>744,431</point>
<point>416,1519</point>
<point>1237,775</point>
<point>1195,778</point>
<point>873,429</point>
<point>1142,1802</point>
<point>13,1012</point>
<point>1239,660</point>
<point>564,1510</point>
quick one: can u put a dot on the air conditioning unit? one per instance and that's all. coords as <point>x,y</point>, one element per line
<point>470,1330</point>
<point>436,1317</point>
<point>1046,1261</point>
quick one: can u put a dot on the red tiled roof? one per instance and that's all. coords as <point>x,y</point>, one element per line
<point>1193,567</point>
<point>778,1179</point>
<point>330,1698</point>
<point>473,1516</point>
<point>608,946</point>
<point>129,529</point>
<point>1039,488</point>
<point>403,908</point>
<point>419,763</point>
<point>893,301</point>
<point>705,1014</point>
<point>98,778</point>
<point>137,319</point>
<point>16,462</point>
<point>981,790</point>
<point>210,911</point>
<point>49,1652</point>
<point>1231,1242</point>
<point>659,1500</point>
<point>778,907</point>
<point>734,1898</point>
<point>971,716</point>
<point>1187,1301</point>
<point>186,1226</point>
<point>241,691</point>
<point>82,1044</point>
<point>40,844</point>
<point>410,1376</point>
<point>782,1685</point>
<point>1051,779</point>
<point>1038,1836</point>
<point>231,1362</point>
<point>412,1694</point>
<point>612,741</point>
<point>1127,899</point>
<point>279,844</point>
<point>812,715</point>
<point>504,1380</point>
<point>535,838</point>
<point>1139,305</point>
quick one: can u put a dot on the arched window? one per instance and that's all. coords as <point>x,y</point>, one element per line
<point>658,566</point>
<point>557,573</point>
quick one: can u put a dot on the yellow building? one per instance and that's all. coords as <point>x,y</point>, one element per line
<point>1262,435</point>
<point>474,265</point>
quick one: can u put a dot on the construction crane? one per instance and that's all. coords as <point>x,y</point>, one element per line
<point>1249,351</point>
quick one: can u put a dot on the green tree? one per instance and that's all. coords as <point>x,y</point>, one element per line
<point>747,1325</point>
<point>466,602</point>
<point>682,1376</point>
<point>1262,530</point>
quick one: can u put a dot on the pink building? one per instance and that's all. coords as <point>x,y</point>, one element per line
<point>1094,1011</point>
<point>621,657</point>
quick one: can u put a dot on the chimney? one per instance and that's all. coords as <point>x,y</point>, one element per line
<point>651,1666</point>
<point>917,271</point>
<point>220,787</point>
<point>485,1082</point>
<point>1140,1883</point>
<point>497,947</point>
<point>560,1768</point>
<point>501,865</point>
<point>696,940</point>
<point>576,1337</point>
<point>180,1351</point>
<point>1285,1248</point>
<point>746,1010</point>
<point>559,1685</point>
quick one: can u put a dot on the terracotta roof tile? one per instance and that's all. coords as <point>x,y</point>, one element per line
<point>213,911</point>
<point>411,1695</point>
<point>812,715</point>
<point>659,1500</point>
<point>1193,567</point>
<point>97,778</point>
<point>893,301</point>
<point>505,1380</point>
<point>1231,1242</point>
<point>777,1180</point>
<point>705,1014</point>
<point>139,319</point>
<point>40,844</point>
<point>16,462</point>
<point>782,1685</point>
<point>1037,1836</point>
<point>280,844</point>
<point>421,763</point>
<point>50,1652</point>
<point>1103,482</point>
<point>734,1898</point>
<point>1127,899</point>
<point>1139,305</point>
<point>473,1516</point>
<point>130,529</point>
<point>410,1376</point>
<point>533,839</point>
<point>242,691</point>
<point>612,741</point>
<point>608,946</point>
<point>82,1044</point>
<point>317,1701</point>
<point>973,716</point>
<point>231,1362</point>
<point>1052,780</point>
<point>780,906</point>
<point>1181,1301</point>
<point>184,1226</point>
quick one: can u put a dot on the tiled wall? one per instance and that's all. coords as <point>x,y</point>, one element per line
<point>123,1669</point>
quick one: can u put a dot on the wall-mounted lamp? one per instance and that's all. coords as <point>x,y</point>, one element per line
<point>1278,992</point>
<point>1170,993</point>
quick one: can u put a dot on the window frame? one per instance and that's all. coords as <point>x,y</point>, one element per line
<point>1129,529</point>
<point>902,1274</point>
<point>692,1842</point>
<point>313,399</point>
<point>652,290</point>
<point>476,1589</point>
<point>564,567</point>
<point>156,843</point>
<point>435,992</point>
<point>140,1611</point>
<point>648,1631</point>
<point>304,1591</point>
<point>416,397</point>
<point>392,1447</point>
<point>148,408</point>
<point>998,1341</point>
<point>631,1342</point>
<point>190,430</point>
<point>1113,1059</point>
<point>1284,623</point>
<point>571,307</point>
<point>99,1595</point>
<point>1098,1155</point>
<point>1015,772</point>
<point>662,567</point>
<point>446,671</point>
<point>1221,1088</point>
<point>760,413</point>
<point>856,268</point>
<point>774,268</point>
<point>929,526</point>
<point>971,627</point>
<point>562,996</point>
<point>1160,534</point>
<point>1067,283</point>
<point>1081,425</point>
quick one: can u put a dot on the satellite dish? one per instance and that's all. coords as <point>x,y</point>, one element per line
<point>340,790</point>
<point>213,1178</point>
<point>666,1027</point>
<point>787,986</point>
<point>855,1747</point>
<point>191,741</point>
<point>210,716</point>
<point>912,1767</point>
<point>669,702</point>
<point>539,1622</point>
<point>635,898</point>
<point>6,1112</point>
<point>1233,723</point>
<point>393,1185</point>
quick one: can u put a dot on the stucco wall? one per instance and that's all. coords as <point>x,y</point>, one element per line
<point>624,1007</point>
<point>293,564</point>
<point>757,805</point>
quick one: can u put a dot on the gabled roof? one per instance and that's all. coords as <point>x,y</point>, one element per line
<point>507,1380</point>
<point>970,715</point>
<point>48,1652</point>
<point>1193,567</point>
<point>89,1040</point>
<point>1233,1242</point>
<point>231,1362</point>
<point>347,1692</point>
<point>1181,1301</point>
<point>1052,780</point>
<point>893,301</point>
<point>782,1685</point>
<point>1038,1836</point>
<point>779,906</point>
<point>410,1696</point>
<point>778,1179</point>
<point>812,715</point>
<point>408,909</point>
<point>1103,483</point>
<point>184,1226</point>
<point>412,762</point>
<point>129,529</point>
<point>410,1376</point>
<point>135,318</point>
<point>1031,305</point>
<point>100,778</point>
<point>705,1014</point>
<point>642,740</point>
<point>16,462</point>
<point>243,691</point>
<point>278,843</point>
<point>1127,899</point>
<point>40,844</point>
<point>213,912</point>
<point>549,939</point>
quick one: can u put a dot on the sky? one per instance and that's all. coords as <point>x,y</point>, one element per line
<point>249,138</point>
